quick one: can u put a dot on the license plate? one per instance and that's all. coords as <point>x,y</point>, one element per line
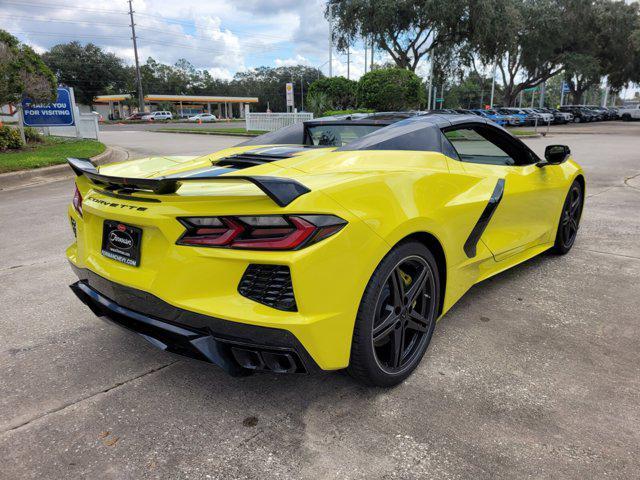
<point>121,242</point>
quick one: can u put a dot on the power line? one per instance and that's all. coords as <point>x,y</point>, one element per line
<point>72,35</point>
<point>51,20</point>
<point>64,6</point>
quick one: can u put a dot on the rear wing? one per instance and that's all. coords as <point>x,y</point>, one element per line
<point>282,191</point>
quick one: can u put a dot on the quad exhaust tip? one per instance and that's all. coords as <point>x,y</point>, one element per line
<point>277,362</point>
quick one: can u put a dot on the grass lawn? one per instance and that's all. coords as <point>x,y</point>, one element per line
<point>214,131</point>
<point>523,133</point>
<point>52,151</point>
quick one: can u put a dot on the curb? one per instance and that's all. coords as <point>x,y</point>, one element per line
<point>24,178</point>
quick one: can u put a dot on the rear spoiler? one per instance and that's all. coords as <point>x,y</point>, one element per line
<point>282,191</point>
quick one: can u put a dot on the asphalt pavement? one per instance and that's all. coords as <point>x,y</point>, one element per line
<point>533,374</point>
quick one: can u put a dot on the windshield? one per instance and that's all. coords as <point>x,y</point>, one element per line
<point>337,135</point>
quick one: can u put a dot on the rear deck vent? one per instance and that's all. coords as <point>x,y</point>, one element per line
<point>246,160</point>
<point>269,285</point>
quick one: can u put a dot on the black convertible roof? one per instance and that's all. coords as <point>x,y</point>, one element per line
<point>399,130</point>
<point>421,132</point>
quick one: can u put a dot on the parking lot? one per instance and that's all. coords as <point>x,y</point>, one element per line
<point>533,374</point>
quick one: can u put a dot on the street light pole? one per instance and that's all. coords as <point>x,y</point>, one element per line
<point>135,53</point>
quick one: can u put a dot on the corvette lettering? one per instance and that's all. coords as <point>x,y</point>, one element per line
<point>115,205</point>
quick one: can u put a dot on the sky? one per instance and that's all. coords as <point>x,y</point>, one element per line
<point>221,36</point>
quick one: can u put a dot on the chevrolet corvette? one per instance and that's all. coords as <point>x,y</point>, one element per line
<point>331,244</point>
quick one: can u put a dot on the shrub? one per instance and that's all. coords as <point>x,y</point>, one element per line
<point>330,113</point>
<point>9,138</point>
<point>340,92</point>
<point>317,103</point>
<point>32,135</point>
<point>389,89</point>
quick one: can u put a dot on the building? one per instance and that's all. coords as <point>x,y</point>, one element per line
<point>117,106</point>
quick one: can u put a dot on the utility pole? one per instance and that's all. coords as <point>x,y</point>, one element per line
<point>372,47</point>
<point>135,53</point>
<point>562,93</point>
<point>493,83</point>
<point>330,48</point>
<point>542,92</point>
<point>348,63</point>
<point>365,53</point>
<point>430,84</point>
<point>302,93</point>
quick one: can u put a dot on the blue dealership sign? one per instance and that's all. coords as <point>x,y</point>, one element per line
<point>56,114</point>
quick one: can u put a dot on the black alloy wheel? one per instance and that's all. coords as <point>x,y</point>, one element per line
<point>397,316</point>
<point>404,314</point>
<point>569,219</point>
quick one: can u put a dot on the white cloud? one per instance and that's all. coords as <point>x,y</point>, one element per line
<point>289,62</point>
<point>217,35</point>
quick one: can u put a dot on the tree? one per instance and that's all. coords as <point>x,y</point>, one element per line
<point>390,89</point>
<point>619,41</point>
<point>529,40</point>
<point>268,84</point>
<point>469,91</point>
<point>339,91</point>
<point>22,73</point>
<point>408,30</point>
<point>89,70</point>
<point>603,47</point>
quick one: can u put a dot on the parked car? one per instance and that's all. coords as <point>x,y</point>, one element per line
<point>605,112</point>
<point>614,113</point>
<point>136,116</point>
<point>580,114</point>
<point>629,112</point>
<point>523,117</point>
<point>160,115</point>
<point>202,117</point>
<point>542,117</point>
<point>559,118</point>
<point>492,115</point>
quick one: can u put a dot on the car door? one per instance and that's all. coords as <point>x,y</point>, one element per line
<point>526,198</point>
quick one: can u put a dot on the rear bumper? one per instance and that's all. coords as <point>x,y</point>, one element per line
<point>235,347</point>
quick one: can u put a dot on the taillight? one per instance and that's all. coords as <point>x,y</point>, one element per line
<point>77,201</point>
<point>262,232</point>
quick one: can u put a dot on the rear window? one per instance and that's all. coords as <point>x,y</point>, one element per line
<point>337,135</point>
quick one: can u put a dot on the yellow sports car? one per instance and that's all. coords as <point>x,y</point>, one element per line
<point>337,243</point>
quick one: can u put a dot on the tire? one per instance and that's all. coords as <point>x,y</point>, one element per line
<point>626,117</point>
<point>387,311</point>
<point>576,120</point>
<point>569,219</point>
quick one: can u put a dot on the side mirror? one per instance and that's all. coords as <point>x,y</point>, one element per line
<point>556,154</point>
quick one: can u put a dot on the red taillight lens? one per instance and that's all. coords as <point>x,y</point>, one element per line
<point>77,201</point>
<point>263,232</point>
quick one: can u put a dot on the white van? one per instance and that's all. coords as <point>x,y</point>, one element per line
<point>161,115</point>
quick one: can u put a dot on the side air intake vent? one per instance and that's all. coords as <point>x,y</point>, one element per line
<point>269,285</point>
